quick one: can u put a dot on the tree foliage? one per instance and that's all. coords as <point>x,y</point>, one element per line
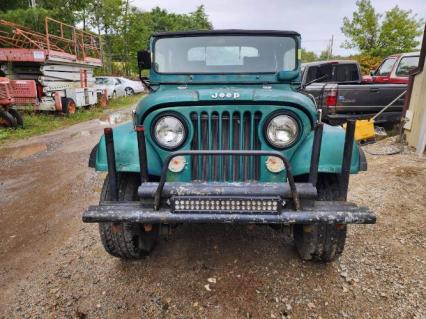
<point>124,29</point>
<point>397,32</point>
<point>367,62</point>
<point>308,56</point>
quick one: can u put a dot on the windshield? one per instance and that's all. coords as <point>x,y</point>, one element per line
<point>104,81</point>
<point>406,65</point>
<point>225,54</point>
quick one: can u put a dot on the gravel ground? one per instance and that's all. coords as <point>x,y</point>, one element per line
<point>53,266</point>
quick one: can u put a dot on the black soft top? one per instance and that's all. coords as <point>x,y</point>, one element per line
<point>195,33</point>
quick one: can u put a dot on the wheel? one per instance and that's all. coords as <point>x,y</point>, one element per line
<point>7,119</point>
<point>322,242</point>
<point>68,105</point>
<point>127,240</point>
<point>17,116</point>
<point>129,91</point>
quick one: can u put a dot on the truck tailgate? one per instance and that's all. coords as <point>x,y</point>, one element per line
<point>368,98</point>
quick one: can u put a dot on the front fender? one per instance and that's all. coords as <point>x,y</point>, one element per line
<point>331,157</point>
<point>126,152</point>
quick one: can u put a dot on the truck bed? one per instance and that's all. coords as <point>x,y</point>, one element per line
<point>357,101</point>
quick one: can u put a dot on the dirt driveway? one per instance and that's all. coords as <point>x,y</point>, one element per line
<point>53,266</point>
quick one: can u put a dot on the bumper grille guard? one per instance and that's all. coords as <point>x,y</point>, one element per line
<point>344,176</point>
<point>290,178</point>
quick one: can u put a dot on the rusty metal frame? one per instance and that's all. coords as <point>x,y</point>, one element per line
<point>58,36</point>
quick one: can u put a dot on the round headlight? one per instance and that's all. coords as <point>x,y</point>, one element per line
<point>282,131</point>
<point>169,132</point>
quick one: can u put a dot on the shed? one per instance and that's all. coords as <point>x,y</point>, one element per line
<point>415,105</point>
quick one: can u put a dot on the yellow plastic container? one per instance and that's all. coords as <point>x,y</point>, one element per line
<point>364,129</point>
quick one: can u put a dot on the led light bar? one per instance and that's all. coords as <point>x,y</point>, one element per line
<point>230,204</point>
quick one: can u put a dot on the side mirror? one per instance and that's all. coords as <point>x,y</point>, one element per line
<point>372,72</point>
<point>287,75</point>
<point>144,60</point>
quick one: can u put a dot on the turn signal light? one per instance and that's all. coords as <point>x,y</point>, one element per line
<point>177,164</point>
<point>274,164</point>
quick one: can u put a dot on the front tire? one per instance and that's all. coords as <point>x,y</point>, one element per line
<point>127,240</point>
<point>322,242</point>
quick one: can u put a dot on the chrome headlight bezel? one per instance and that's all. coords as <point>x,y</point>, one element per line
<point>158,141</point>
<point>293,119</point>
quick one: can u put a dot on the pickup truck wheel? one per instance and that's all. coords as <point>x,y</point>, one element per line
<point>127,240</point>
<point>322,242</point>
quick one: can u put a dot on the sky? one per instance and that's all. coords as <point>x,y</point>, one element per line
<point>316,20</point>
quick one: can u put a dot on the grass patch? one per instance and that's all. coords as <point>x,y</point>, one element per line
<point>40,123</point>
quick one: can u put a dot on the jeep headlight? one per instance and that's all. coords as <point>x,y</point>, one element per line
<point>281,131</point>
<point>169,131</point>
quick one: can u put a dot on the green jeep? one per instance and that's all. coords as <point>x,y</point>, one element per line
<point>226,136</point>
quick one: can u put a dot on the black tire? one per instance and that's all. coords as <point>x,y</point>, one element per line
<point>68,105</point>
<point>7,120</point>
<point>126,240</point>
<point>17,116</point>
<point>129,91</point>
<point>322,242</point>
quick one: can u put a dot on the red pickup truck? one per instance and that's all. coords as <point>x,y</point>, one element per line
<point>394,69</point>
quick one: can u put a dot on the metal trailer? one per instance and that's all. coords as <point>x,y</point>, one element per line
<point>58,62</point>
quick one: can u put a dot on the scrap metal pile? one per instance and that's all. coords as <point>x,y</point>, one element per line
<point>50,71</point>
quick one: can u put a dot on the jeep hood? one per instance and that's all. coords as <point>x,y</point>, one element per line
<point>224,95</point>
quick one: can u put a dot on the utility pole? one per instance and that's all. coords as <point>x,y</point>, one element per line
<point>330,48</point>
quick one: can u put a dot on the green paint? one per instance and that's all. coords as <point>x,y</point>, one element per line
<point>264,93</point>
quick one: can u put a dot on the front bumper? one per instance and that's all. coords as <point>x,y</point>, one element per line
<point>337,212</point>
<point>222,202</point>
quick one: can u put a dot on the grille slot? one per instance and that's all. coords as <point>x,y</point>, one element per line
<point>225,131</point>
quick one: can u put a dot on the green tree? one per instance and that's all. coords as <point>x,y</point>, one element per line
<point>363,29</point>
<point>141,25</point>
<point>32,18</point>
<point>398,32</point>
<point>7,5</point>
<point>308,56</point>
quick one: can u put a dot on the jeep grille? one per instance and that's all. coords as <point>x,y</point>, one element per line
<point>225,131</point>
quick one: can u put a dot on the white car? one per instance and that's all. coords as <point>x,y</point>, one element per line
<point>131,87</point>
<point>114,86</point>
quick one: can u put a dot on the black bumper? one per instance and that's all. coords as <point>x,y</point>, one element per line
<point>321,212</point>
